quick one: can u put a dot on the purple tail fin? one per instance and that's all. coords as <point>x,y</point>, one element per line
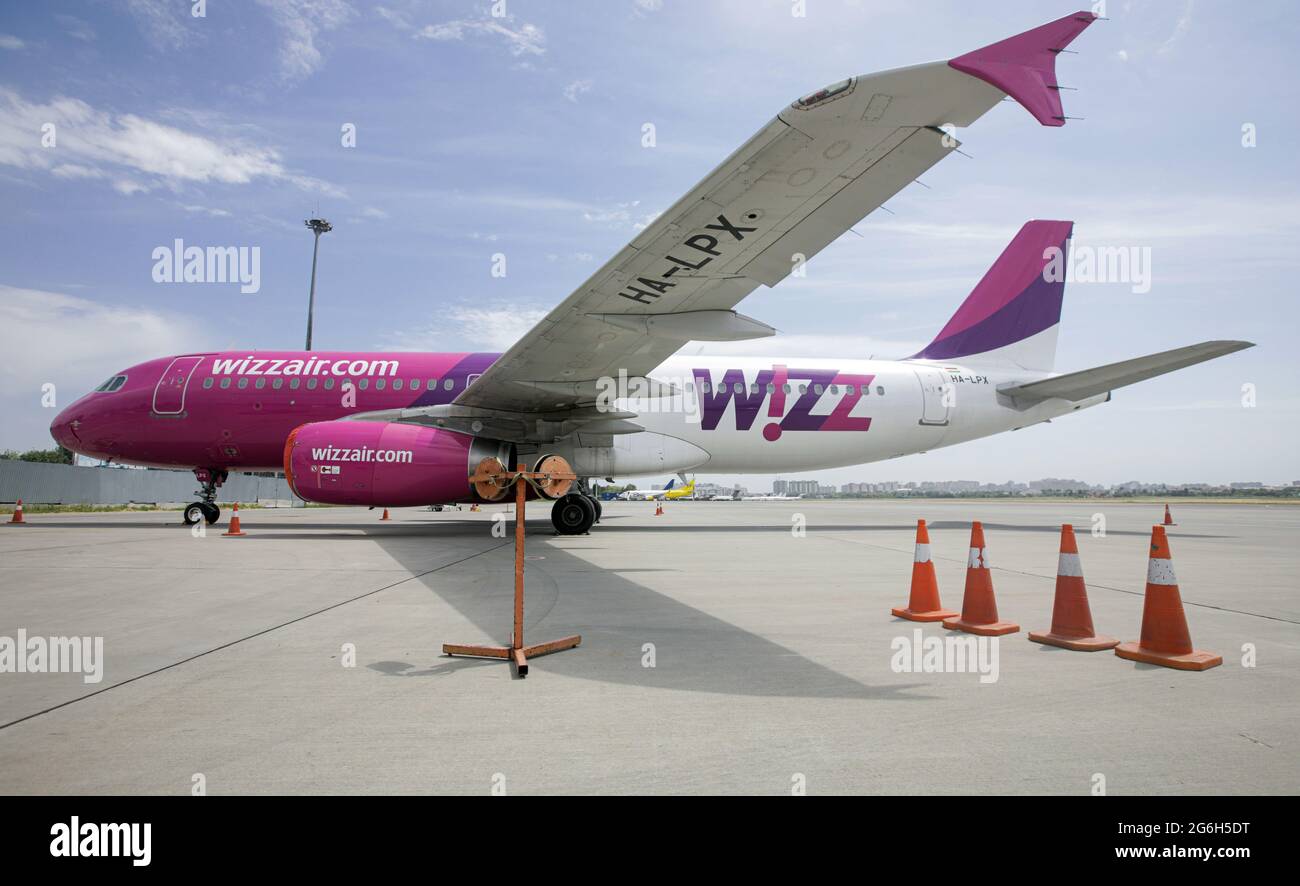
<point>1014,310</point>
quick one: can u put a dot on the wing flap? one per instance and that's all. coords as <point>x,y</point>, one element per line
<point>1075,386</point>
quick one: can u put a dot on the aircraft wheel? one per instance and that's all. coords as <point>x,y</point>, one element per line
<point>573,514</point>
<point>193,513</point>
<point>211,513</point>
<point>595,503</point>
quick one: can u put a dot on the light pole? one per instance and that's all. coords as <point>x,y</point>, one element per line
<point>319,226</point>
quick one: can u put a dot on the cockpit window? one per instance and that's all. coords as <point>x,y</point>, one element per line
<point>113,384</point>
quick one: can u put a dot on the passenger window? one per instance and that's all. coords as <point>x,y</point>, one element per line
<point>380,384</point>
<point>803,389</point>
<point>448,384</point>
<point>431,384</point>
<point>277,383</point>
<point>311,384</point>
<point>225,383</point>
<point>293,384</point>
<point>243,383</point>
<point>738,387</point>
<point>753,389</point>
<point>835,389</point>
<point>397,384</point>
<point>880,390</point>
<point>850,389</point>
<point>329,384</point>
<point>818,389</point>
<point>207,382</point>
<point>785,389</point>
<point>706,387</point>
<point>363,384</point>
<point>260,383</point>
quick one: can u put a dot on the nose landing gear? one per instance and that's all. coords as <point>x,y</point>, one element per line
<point>206,508</point>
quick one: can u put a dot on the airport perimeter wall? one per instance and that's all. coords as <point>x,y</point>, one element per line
<point>39,483</point>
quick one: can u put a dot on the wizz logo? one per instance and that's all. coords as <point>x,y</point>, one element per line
<point>777,387</point>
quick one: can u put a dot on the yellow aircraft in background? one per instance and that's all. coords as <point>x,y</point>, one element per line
<point>687,491</point>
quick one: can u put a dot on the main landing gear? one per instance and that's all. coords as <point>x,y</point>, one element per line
<point>575,513</point>
<point>206,508</point>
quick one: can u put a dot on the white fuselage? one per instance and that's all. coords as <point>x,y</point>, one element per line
<point>812,415</point>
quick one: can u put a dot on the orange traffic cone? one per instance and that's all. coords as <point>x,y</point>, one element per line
<point>659,509</point>
<point>1165,639</point>
<point>17,518</point>
<point>1071,616</point>
<point>234,529</point>
<point>385,517</point>
<point>1169,519</point>
<point>979,608</point>
<point>923,602</point>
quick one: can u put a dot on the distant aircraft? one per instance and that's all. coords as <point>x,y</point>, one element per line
<point>595,383</point>
<point>646,494</point>
<point>773,497</point>
<point>687,491</point>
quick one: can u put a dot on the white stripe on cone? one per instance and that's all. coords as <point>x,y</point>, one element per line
<point>1161,572</point>
<point>978,559</point>
<point>1069,565</point>
<point>922,553</point>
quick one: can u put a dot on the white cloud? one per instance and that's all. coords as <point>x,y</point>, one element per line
<point>75,342</point>
<point>649,5</point>
<point>493,328</point>
<point>577,88</point>
<point>620,216</point>
<point>300,23</point>
<point>163,22</point>
<point>520,40</point>
<point>9,41</point>
<point>1181,27</point>
<point>204,210</point>
<point>90,143</point>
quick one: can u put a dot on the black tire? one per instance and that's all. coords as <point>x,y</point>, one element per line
<point>573,514</point>
<point>211,513</point>
<point>595,503</point>
<point>193,513</point>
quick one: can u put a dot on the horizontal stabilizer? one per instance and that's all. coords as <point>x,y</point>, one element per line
<point>1076,386</point>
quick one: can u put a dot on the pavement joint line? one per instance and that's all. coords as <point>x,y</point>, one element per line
<point>1091,585</point>
<point>253,636</point>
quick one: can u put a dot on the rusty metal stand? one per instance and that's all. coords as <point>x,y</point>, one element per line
<point>496,475</point>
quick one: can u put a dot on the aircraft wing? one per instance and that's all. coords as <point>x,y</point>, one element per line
<point>1076,386</point>
<point>802,181</point>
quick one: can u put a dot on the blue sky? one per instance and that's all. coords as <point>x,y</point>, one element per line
<point>521,135</point>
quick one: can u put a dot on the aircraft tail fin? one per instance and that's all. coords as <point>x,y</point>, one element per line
<point>1012,314</point>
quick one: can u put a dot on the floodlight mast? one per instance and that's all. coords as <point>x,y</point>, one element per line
<point>318,226</point>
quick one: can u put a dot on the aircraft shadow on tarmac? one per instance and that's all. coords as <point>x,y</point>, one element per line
<point>694,651</point>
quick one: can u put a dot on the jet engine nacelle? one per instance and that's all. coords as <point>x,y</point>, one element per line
<point>385,464</point>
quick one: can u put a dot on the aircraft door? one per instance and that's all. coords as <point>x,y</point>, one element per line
<point>169,395</point>
<point>934,396</point>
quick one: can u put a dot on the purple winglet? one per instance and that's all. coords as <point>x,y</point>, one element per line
<point>1024,66</point>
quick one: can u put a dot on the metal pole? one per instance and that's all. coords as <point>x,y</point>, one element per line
<point>311,298</point>
<point>319,226</point>
<point>520,494</point>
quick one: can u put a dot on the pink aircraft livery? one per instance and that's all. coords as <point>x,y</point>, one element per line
<point>596,382</point>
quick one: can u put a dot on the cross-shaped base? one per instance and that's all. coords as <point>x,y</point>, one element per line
<point>554,478</point>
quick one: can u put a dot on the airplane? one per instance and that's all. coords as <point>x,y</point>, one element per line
<point>647,494</point>
<point>591,386</point>
<point>687,491</point>
<point>772,497</point>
